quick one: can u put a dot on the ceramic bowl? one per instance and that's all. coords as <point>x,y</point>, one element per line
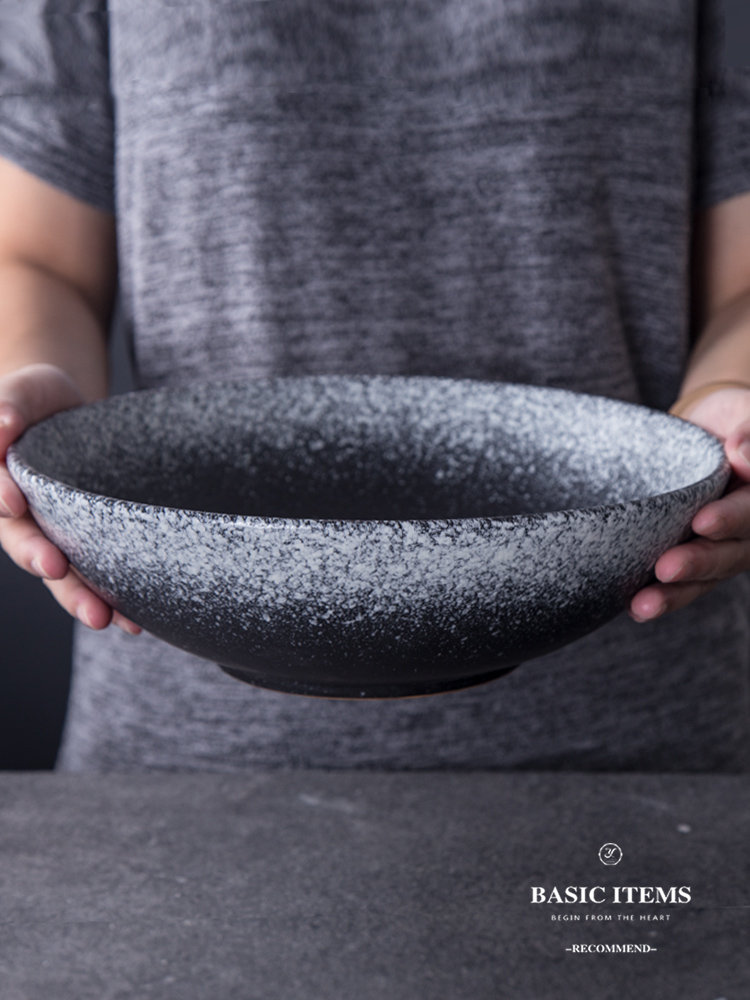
<point>366,537</point>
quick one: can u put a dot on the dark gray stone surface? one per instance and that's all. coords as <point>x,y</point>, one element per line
<point>362,885</point>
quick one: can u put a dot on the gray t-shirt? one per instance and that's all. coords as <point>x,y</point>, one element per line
<point>501,189</point>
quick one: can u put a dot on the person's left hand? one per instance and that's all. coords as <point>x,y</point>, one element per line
<point>722,548</point>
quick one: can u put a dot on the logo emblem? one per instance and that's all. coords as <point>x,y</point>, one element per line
<point>610,854</point>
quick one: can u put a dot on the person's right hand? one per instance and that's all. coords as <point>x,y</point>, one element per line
<point>27,396</point>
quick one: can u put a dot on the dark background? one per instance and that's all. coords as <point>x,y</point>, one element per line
<point>737,33</point>
<point>36,637</point>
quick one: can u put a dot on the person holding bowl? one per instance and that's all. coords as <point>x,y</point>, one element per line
<point>493,191</point>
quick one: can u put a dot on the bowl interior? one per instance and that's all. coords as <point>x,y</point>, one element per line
<point>369,448</point>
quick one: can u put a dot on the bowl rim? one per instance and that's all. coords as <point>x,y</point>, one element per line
<point>20,469</point>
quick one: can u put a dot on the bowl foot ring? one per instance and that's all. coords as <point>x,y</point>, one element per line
<point>366,691</point>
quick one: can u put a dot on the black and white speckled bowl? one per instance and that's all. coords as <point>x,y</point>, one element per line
<point>366,537</point>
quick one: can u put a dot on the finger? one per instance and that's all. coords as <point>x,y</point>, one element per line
<point>659,599</point>
<point>702,560</point>
<point>728,517</point>
<point>80,602</point>
<point>29,549</point>
<point>12,500</point>
<point>117,619</point>
<point>125,624</point>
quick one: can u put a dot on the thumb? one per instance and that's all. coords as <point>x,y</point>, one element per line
<point>31,394</point>
<point>737,447</point>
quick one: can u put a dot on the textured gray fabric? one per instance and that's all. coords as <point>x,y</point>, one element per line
<point>55,102</point>
<point>487,188</point>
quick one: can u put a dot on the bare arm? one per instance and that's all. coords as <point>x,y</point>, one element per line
<point>58,273</point>
<point>722,353</point>
<point>722,295</point>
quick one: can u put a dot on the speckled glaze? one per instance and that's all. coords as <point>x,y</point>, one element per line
<point>366,537</point>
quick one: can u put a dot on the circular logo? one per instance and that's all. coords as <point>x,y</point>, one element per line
<point>610,854</point>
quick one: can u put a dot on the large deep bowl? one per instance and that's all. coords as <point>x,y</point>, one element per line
<point>366,537</point>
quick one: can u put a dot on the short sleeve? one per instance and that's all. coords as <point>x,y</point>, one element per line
<point>56,108</point>
<point>722,154</point>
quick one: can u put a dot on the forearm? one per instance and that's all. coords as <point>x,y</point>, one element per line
<point>722,352</point>
<point>45,319</point>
